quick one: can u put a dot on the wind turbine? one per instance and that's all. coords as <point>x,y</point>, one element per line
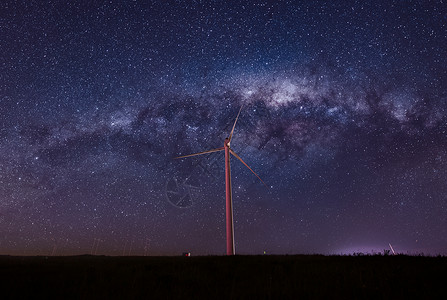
<point>229,201</point>
<point>394,253</point>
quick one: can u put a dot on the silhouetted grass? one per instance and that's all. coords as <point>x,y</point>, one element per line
<point>218,277</point>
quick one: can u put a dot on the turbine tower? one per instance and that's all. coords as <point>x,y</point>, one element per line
<point>229,201</point>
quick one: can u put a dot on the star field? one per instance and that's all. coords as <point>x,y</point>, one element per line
<point>344,117</point>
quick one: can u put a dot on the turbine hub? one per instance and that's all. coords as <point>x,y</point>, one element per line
<point>227,142</point>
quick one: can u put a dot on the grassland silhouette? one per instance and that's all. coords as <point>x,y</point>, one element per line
<point>218,277</point>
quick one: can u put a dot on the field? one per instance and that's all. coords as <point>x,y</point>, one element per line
<point>220,277</point>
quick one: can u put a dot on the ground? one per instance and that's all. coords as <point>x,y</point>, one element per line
<point>220,277</point>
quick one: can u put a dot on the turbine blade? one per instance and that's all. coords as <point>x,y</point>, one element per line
<point>237,156</point>
<point>392,248</point>
<point>200,153</point>
<point>234,125</point>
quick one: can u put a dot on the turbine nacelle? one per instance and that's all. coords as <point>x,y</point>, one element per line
<point>227,142</point>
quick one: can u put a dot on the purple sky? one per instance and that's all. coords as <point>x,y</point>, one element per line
<point>344,117</point>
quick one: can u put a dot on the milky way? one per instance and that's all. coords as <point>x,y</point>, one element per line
<point>344,116</point>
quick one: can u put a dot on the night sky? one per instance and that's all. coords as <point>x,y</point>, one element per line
<point>344,116</point>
